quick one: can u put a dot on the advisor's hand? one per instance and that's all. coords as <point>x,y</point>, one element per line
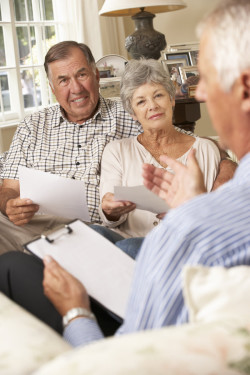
<point>113,210</point>
<point>63,289</point>
<point>186,182</point>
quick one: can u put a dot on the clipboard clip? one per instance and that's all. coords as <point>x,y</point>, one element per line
<point>51,240</point>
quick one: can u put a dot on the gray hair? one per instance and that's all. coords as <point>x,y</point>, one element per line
<point>62,50</point>
<point>139,72</point>
<point>229,27</point>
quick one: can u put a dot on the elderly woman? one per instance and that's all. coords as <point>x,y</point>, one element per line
<point>147,93</point>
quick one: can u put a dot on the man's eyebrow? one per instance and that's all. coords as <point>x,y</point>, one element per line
<point>65,76</point>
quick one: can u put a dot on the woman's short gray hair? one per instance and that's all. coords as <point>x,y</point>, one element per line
<point>139,72</point>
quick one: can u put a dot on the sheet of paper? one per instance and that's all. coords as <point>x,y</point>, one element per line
<point>142,197</point>
<point>104,270</point>
<point>56,195</point>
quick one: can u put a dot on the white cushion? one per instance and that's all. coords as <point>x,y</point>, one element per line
<point>217,293</point>
<point>25,342</point>
<point>198,349</point>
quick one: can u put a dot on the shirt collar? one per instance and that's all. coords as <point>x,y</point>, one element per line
<point>103,111</point>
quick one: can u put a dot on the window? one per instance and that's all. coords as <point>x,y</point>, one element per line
<point>27,30</point>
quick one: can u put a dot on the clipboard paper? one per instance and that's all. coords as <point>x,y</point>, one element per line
<point>104,270</point>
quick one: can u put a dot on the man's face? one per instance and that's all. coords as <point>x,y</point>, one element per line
<point>220,104</point>
<point>75,86</point>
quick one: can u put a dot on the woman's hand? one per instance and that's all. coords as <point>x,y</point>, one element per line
<point>113,210</point>
<point>63,289</point>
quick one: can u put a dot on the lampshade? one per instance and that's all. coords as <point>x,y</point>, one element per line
<point>115,8</point>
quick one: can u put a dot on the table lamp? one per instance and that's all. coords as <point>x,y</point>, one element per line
<point>145,41</point>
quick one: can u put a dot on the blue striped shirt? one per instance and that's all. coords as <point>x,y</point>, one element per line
<point>212,230</point>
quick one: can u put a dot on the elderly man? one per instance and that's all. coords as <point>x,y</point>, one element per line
<point>66,139</point>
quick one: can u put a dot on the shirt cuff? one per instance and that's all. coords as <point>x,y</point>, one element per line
<point>82,331</point>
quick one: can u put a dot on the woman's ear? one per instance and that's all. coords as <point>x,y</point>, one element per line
<point>134,117</point>
<point>245,81</point>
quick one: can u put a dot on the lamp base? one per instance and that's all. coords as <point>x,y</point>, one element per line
<point>145,41</point>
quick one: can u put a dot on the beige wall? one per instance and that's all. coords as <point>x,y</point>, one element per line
<point>179,27</point>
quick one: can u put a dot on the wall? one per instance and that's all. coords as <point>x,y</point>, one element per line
<point>179,27</point>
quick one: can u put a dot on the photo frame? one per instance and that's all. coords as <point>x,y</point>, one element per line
<point>194,55</point>
<point>106,72</point>
<point>173,69</point>
<point>176,56</point>
<point>188,46</point>
<point>188,71</point>
<point>110,87</point>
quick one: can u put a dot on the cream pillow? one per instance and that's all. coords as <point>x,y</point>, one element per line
<point>217,293</point>
<point>25,342</point>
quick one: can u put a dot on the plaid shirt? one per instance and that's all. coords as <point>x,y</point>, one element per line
<point>47,141</point>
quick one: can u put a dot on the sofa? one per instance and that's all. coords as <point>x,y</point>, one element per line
<point>216,341</point>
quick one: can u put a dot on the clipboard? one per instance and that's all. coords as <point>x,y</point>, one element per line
<point>104,270</point>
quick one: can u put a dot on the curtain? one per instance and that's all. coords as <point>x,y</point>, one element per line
<point>79,20</point>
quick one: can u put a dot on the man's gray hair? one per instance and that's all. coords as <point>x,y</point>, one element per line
<point>229,28</point>
<point>62,50</point>
<point>139,72</point>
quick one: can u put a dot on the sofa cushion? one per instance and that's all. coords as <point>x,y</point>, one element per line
<point>25,342</point>
<point>195,349</point>
<point>217,293</point>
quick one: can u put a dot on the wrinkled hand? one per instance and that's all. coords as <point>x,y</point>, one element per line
<point>113,210</point>
<point>20,211</point>
<point>186,182</point>
<point>63,289</point>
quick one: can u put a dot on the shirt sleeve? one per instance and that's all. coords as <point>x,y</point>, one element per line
<point>17,153</point>
<point>82,331</point>
<point>208,156</point>
<point>111,175</point>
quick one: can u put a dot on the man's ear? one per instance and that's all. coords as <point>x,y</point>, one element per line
<point>245,81</point>
<point>52,88</point>
<point>97,74</point>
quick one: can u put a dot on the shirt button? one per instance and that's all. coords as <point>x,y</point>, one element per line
<point>77,163</point>
<point>155,223</point>
<point>81,126</point>
<point>79,146</point>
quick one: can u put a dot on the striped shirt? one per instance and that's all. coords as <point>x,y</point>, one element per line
<point>47,141</point>
<point>212,230</point>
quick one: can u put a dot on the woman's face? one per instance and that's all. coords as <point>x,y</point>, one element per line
<point>152,106</point>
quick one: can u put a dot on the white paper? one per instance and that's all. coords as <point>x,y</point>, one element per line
<point>56,195</point>
<point>142,197</point>
<point>104,270</point>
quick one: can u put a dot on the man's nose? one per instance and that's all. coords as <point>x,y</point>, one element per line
<point>75,86</point>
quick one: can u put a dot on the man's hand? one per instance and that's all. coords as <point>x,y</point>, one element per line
<point>186,182</point>
<point>113,210</point>
<point>62,289</point>
<point>20,211</point>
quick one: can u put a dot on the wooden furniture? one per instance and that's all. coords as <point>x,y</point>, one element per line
<point>186,113</point>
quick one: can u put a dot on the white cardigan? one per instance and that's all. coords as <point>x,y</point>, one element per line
<point>122,166</point>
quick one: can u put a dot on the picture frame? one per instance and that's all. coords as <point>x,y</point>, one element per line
<point>110,87</point>
<point>194,55</point>
<point>176,56</point>
<point>106,72</point>
<point>188,71</point>
<point>188,46</point>
<point>173,69</point>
